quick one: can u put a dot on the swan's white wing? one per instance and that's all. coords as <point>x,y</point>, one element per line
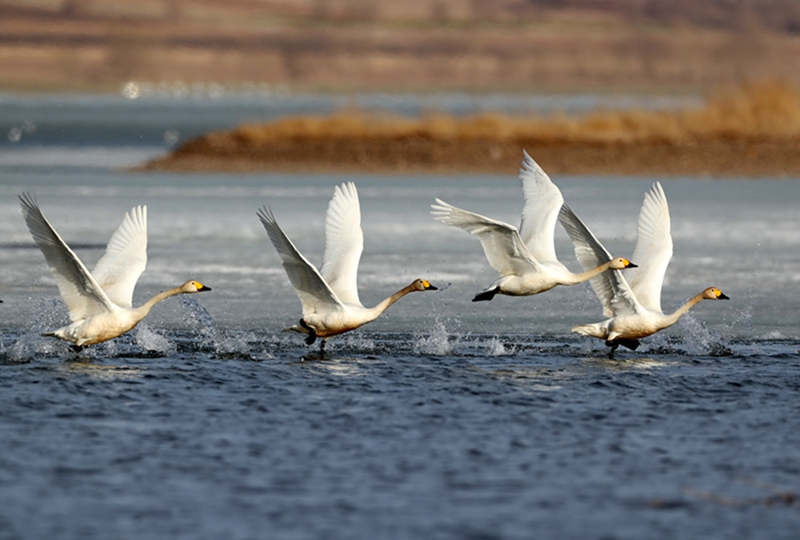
<point>610,287</point>
<point>125,258</point>
<point>344,242</point>
<point>504,248</point>
<point>543,201</point>
<point>653,249</point>
<point>315,295</point>
<point>79,290</point>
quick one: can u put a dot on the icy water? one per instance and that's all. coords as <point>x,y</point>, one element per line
<point>443,419</point>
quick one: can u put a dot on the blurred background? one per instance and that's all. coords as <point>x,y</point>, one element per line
<point>383,45</point>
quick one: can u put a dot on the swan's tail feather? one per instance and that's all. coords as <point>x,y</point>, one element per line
<point>295,328</point>
<point>485,296</point>
<point>597,330</point>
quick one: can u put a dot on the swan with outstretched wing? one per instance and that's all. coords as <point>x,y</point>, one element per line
<point>329,297</point>
<point>632,303</point>
<point>525,258</point>
<point>99,302</point>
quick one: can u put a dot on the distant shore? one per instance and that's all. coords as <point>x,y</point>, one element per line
<point>749,131</point>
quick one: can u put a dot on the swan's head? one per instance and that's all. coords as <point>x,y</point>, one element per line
<point>192,286</point>
<point>423,285</point>
<point>712,293</point>
<point>621,263</point>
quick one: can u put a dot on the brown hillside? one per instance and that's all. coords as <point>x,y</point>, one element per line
<point>527,45</point>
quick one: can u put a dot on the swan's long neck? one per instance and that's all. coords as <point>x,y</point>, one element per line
<point>383,306</point>
<point>145,308</point>
<point>574,279</point>
<point>673,317</point>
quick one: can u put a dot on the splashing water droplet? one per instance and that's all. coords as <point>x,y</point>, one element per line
<point>199,320</point>
<point>699,340</point>
<point>435,344</point>
<point>152,341</point>
<point>495,347</point>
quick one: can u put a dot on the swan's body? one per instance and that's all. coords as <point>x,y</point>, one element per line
<point>525,258</point>
<point>330,298</point>
<point>632,305</point>
<point>99,302</point>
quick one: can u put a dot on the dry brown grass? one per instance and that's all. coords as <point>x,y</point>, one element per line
<point>762,110</point>
<point>752,129</point>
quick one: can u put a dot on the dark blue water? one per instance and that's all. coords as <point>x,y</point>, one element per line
<point>443,419</point>
<point>391,441</point>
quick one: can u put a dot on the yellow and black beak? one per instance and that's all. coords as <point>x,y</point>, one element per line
<point>630,264</point>
<point>428,286</point>
<point>201,287</point>
<point>722,296</point>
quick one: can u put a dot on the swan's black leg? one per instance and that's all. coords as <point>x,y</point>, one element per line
<point>77,349</point>
<point>312,334</point>
<point>613,345</point>
<point>486,295</point>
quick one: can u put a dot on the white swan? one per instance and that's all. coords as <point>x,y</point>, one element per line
<point>99,302</point>
<point>525,258</point>
<point>330,297</point>
<point>633,305</point>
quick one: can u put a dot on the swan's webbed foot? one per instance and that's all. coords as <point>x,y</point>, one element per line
<point>77,349</point>
<point>317,355</point>
<point>312,334</point>
<point>486,295</point>
<point>631,344</point>
<point>613,345</point>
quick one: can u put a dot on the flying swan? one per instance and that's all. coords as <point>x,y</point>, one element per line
<point>330,297</point>
<point>525,258</point>
<point>99,302</point>
<point>633,305</point>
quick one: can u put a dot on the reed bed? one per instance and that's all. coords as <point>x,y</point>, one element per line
<point>749,129</point>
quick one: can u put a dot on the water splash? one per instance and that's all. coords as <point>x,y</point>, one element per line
<point>700,341</point>
<point>240,345</point>
<point>151,340</point>
<point>437,343</point>
<point>200,321</point>
<point>28,347</point>
<point>771,335</point>
<point>224,343</point>
<point>495,347</point>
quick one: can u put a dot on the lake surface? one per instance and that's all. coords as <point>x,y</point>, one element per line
<point>442,419</point>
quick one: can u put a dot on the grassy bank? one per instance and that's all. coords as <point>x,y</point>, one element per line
<point>749,130</point>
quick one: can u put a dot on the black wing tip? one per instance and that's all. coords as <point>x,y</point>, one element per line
<point>265,214</point>
<point>28,199</point>
<point>486,296</point>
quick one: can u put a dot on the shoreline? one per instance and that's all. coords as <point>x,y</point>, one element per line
<point>714,158</point>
